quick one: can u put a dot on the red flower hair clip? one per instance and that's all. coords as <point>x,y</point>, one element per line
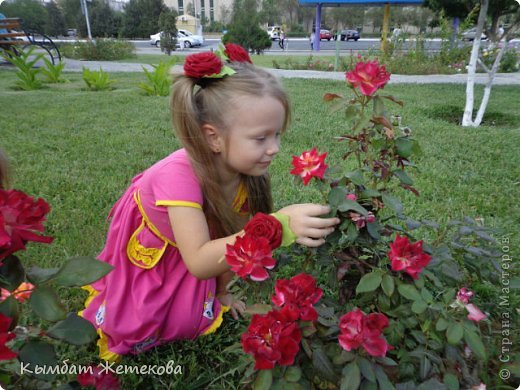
<point>236,53</point>
<point>206,65</point>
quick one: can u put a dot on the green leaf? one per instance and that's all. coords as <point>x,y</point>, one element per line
<point>79,271</point>
<point>388,285</point>
<point>323,365</point>
<point>9,308</point>
<point>409,292</point>
<point>11,273</point>
<point>451,381</point>
<point>442,324</point>
<point>370,193</point>
<point>38,353</point>
<point>404,146</point>
<point>379,106</point>
<point>454,333</point>
<point>39,275</point>
<point>293,374</point>
<point>382,379</point>
<point>336,196</point>
<point>45,304</point>
<point>356,177</point>
<point>351,377</point>
<point>475,343</point>
<point>74,330</point>
<point>343,357</point>
<point>419,306</point>
<point>366,369</point>
<point>426,295</point>
<point>369,282</point>
<point>263,380</point>
<point>403,177</point>
<point>348,204</point>
<point>393,203</point>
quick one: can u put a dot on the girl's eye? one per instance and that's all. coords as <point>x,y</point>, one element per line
<point>260,138</point>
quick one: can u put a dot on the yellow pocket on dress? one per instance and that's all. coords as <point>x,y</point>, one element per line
<point>145,249</point>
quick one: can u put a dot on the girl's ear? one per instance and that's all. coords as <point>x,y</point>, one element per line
<point>213,138</point>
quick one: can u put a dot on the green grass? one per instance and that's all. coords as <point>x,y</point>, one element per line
<point>79,150</point>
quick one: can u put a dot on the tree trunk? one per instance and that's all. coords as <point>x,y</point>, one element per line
<point>489,84</point>
<point>467,119</point>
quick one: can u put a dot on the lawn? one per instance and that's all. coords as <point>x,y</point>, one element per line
<point>79,149</point>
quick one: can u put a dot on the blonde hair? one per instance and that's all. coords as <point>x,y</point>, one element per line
<point>4,171</point>
<point>194,104</point>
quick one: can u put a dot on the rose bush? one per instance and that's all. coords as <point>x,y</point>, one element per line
<point>31,295</point>
<point>393,311</point>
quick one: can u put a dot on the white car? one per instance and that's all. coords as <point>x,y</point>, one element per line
<point>183,41</point>
<point>197,38</point>
<point>469,35</point>
<point>274,32</point>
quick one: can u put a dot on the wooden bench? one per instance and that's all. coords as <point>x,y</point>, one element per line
<point>13,38</point>
<point>11,34</point>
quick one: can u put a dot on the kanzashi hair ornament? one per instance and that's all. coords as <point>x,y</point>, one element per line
<point>236,53</point>
<point>206,65</point>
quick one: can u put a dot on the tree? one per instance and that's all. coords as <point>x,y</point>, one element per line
<point>244,28</point>
<point>32,12</point>
<point>270,13</point>
<point>141,18</point>
<point>167,21</point>
<point>104,21</point>
<point>467,118</point>
<point>71,10</point>
<point>55,24</point>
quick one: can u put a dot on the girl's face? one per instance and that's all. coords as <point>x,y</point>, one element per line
<point>252,138</point>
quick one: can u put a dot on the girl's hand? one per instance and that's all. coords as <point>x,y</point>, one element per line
<point>236,306</point>
<point>306,224</point>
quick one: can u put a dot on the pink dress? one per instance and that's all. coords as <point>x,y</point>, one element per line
<point>150,297</point>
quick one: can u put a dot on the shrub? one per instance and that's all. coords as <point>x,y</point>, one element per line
<point>97,80</point>
<point>98,50</point>
<point>159,80</point>
<point>26,73</point>
<point>395,310</point>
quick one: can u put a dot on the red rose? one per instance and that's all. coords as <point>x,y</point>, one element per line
<point>297,295</point>
<point>237,53</point>
<point>250,256</point>
<point>20,217</point>
<point>202,64</point>
<point>5,336</point>
<point>358,329</point>
<point>308,165</point>
<point>408,257</point>
<point>101,379</point>
<point>267,226</point>
<point>368,76</point>
<point>271,339</point>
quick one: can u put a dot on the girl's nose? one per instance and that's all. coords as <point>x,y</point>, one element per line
<point>274,148</point>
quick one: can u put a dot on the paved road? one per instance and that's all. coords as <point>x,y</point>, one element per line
<point>301,46</point>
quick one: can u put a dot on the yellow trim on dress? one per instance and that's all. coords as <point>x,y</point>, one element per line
<point>91,295</point>
<point>240,199</point>
<point>104,353</point>
<point>182,203</point>
<point>138,254</point>
<point>218,321</point>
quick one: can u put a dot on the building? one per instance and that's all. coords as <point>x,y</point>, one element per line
<point>213,10</point>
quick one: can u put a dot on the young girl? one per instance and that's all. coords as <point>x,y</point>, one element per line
<point>170,228</point>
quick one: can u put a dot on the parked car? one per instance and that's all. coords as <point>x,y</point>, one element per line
<point>185,41</point>
<point>469,35</point>
<point>325,34</point>
<point>347,34</point>
<point>274,32</point>
<point>198,38</point>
